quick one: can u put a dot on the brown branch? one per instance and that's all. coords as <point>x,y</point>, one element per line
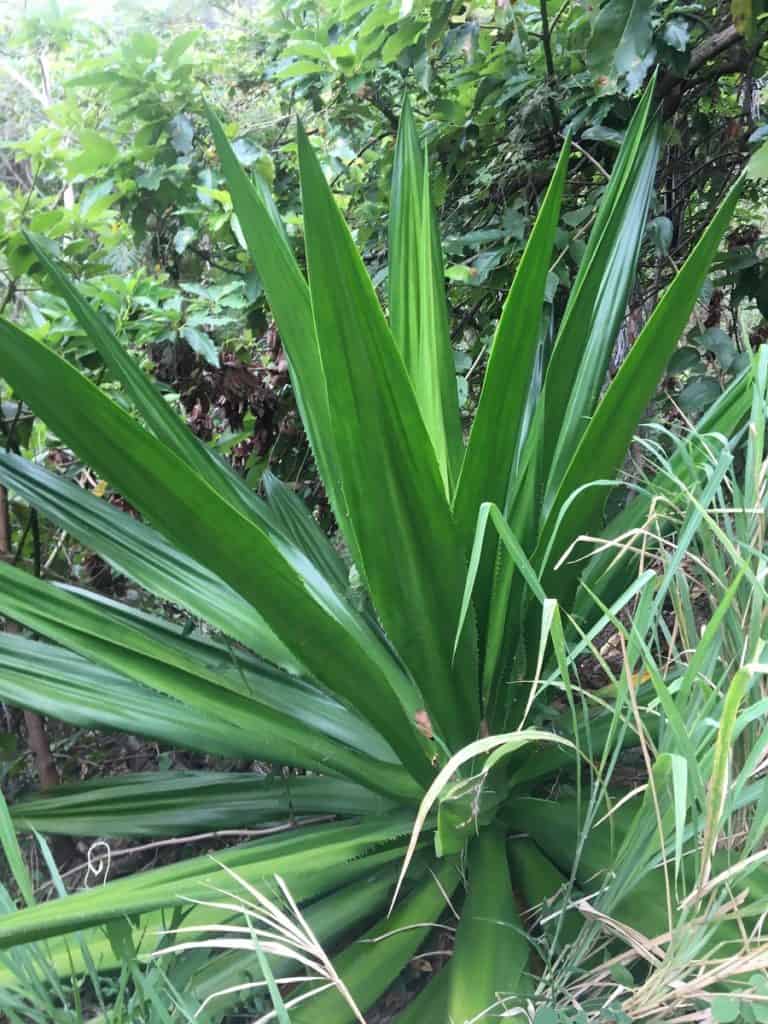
<point>14,171</point>
<point>373,141</point>
<point>705,51</point>
<point>370,95</point>
<point>713,46</point>
<point>671,87</point>
<point>36,734</point>
<point>729,67</point>
<point>41,750</point>
<point>546,42</point>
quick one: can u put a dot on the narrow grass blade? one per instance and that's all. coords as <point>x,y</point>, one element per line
<point>718,781</point>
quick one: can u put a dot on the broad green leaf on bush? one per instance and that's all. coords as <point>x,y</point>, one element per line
<point>176,50</point>
<point>698,394</point>
<point>97,153</point>
<point>201,343</point>
<point>725,1009</point>
<point>298,69</point>
<point>685,358</point>
<point>622,41</point>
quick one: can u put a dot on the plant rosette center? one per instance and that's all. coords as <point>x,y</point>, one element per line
<point>464,808</point>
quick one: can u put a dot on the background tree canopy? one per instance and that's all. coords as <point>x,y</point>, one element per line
<point>106,153</point>
<point>594,155</point>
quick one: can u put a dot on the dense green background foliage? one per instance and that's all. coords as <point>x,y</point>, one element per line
<point>544,167</point>
<point>106,154</point>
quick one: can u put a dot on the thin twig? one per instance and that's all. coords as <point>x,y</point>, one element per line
<point>606,174</point>
<point>546,42</point>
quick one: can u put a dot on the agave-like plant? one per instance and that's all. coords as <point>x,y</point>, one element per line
<point>463,553</point>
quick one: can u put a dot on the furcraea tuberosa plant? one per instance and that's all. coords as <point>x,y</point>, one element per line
<point>428,686</point>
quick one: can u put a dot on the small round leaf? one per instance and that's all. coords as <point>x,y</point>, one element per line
<point>725,1009</point>
<point>698,395</point>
